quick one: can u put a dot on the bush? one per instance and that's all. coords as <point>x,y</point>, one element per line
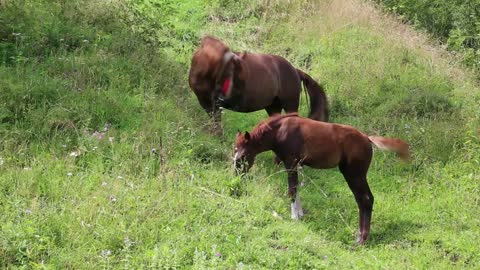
<point>456,23</point>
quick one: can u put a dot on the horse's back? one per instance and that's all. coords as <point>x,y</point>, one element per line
<point>319,145</point>
<point>326,145</point>
<point>275,69</point>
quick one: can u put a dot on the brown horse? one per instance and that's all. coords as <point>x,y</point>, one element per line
<point>247,82</point>
<point>302,141</point>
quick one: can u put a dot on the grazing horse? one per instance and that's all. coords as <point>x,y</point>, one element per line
<point>302,141</point>
<point>247,82</point>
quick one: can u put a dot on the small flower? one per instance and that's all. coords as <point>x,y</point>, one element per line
<point>88,225</point>
<point>276,215</point>
<point>119,177</point>
<point>75,153</point>
<point>105,253</point>
<point>110,139</point>
<point>104,184</point>
<point>27,168</point>
<point>98,135</point>
<point>128,242</point>
<point>2,161</point>
<point>106,127</point>
<point>64,145</point>
<point>112,198</point>
<point>28,211</point>
<point>218,254</point>
<point>153,151</point>
<point>69,174</point>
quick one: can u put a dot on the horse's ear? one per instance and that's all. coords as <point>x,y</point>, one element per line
<point>247,136</point>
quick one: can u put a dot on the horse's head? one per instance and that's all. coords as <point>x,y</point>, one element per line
<point>244,153</point>
<point>206,63</point>
<point>211,67</point>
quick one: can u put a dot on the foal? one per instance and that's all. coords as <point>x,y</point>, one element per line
<point>302,141</point>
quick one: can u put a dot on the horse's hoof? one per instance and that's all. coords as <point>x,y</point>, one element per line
<point>361,240</point>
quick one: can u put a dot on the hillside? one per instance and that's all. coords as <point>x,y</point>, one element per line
<point>106,159</point>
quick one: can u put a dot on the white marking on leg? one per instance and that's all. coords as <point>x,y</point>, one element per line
<point>298,206</point>
<point>294,210</point>
<point>235,160</point>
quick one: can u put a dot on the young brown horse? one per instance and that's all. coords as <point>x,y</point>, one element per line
<point>302,141</point>
<point>248,82</point>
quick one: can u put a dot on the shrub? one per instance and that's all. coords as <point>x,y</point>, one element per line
<point>456,23</point>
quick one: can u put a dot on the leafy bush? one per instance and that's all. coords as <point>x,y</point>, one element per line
<point>456,23</point>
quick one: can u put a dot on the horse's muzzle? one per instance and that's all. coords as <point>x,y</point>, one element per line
<point>240,165</point>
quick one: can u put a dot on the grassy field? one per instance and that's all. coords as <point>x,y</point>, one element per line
<point>106,160</point>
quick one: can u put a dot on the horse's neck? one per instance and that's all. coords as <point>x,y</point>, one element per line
<point>264,140</point>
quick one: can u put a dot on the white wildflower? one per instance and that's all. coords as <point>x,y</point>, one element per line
<point>105,253</point>
<point>75,153</point>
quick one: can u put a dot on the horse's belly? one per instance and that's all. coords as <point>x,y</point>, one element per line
<point>322,160</point>
<point>241,106</point>
<point>250,101</point>
<point>321,164</point>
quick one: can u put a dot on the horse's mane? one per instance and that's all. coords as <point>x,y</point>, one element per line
<point>268,124</point>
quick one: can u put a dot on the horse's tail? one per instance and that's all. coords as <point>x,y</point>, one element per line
<point>392,144</point>
<point>318,99</point>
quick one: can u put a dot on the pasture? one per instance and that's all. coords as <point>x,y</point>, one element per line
<point>106,159</point>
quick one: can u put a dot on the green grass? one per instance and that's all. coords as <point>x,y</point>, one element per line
<point>155,189</point>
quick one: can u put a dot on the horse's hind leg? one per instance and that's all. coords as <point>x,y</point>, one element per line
<point>274,108</point>
<point>364,197</point>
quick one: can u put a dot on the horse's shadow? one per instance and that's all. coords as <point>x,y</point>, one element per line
<point>394,232</point>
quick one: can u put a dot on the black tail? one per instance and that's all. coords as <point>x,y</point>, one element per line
<point>318,99</point>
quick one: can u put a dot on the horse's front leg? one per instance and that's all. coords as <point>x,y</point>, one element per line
<point>216,114</point>
<point>212,108</point>
<point>296,205</point>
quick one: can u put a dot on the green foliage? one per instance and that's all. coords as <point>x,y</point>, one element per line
<point>106,159</point>
<point>167,24</point>
<point>456,23</point>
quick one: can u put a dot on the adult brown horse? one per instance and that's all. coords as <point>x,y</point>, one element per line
<point>302,141</point>
<point>247,82</point>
